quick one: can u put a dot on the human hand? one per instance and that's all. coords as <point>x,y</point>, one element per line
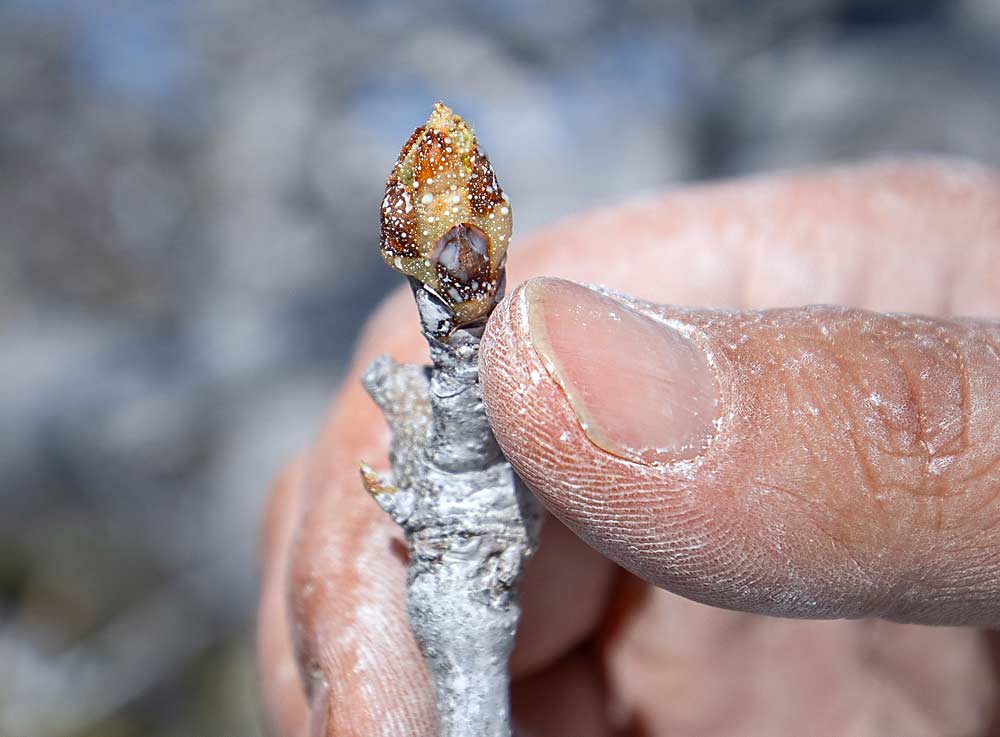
<point>854,471</point>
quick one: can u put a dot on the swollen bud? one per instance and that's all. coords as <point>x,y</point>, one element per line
<point>445,221</point>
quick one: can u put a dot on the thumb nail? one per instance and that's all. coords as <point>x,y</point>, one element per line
<point>639,388</point>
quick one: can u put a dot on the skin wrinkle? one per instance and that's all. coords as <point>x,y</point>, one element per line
<point>990,501</point>
<point>851,407</point>
<point>994,344</point>
<point>757,317</point>
<point>914,382</point>
<point>963,375</point>
<point>824,470</point>
<point>845,367</point>
<point>982,474</point>
<point>874,490</point>
<point>900,590</point>
<point>867,474</point>
<point>789,392</point>
<point>953,470</point>
<point>913,399</point>
<point>930,486</point>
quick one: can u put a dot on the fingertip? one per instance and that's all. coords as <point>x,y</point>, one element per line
<point>594,491</point>
<point>526,408</point>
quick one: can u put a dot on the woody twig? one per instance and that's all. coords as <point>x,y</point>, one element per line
<point>469,522</point>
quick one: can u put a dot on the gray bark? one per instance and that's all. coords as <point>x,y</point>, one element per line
<point>469,522</point>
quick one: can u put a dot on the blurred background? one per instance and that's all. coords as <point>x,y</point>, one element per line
<point>188,227</point>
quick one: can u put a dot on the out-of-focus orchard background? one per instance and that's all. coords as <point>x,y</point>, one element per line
<point>188,206</point>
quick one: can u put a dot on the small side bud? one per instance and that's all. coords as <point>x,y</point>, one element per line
<point>373,481</point>
<point>397,503</point>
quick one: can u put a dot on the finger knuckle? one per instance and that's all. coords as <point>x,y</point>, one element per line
<point>930,417</point>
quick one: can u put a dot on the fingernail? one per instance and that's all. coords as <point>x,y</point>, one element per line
<point>639,388</point>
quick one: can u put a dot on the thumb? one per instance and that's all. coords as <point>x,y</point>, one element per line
<point>813,462</point>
